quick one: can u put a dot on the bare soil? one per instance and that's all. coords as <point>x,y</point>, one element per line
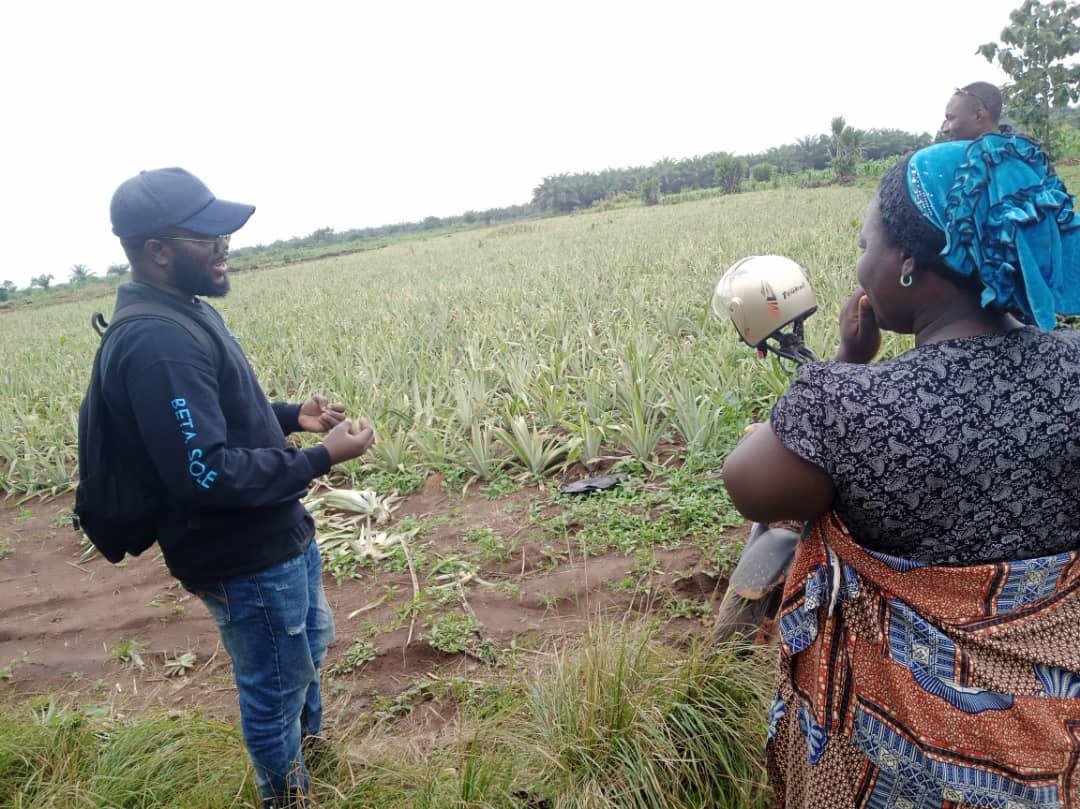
<point>61,621</point>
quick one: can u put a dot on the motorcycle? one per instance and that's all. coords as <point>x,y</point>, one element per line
<point>767,299</point>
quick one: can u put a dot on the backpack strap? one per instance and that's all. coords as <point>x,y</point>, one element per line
<point>155,310</point>
<point>152,309</point>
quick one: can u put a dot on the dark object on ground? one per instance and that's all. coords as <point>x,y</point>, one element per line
<point>529,801</point>
<point>596,484</point>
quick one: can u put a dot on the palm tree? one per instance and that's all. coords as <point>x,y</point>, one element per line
<point>837,126</point>
<point>813,151</point>
<point>847,148</point>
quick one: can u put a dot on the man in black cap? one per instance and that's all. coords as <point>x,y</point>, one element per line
<point>233,529</point>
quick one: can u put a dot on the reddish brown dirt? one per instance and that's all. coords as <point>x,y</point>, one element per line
<point>59,619</point>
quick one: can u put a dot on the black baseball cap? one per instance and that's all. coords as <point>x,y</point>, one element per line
<point>153,201</point>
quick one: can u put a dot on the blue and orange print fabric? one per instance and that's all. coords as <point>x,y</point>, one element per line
<point>905,685</point>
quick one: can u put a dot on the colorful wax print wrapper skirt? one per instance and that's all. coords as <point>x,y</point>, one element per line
<point>904,685</point>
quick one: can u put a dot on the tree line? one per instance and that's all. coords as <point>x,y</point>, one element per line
<point>842,150</point>
<point>1036,51</point>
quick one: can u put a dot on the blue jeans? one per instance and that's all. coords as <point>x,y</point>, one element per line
<point>276,625</point>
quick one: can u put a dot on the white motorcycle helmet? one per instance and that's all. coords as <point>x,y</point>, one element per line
<point>763,294</point>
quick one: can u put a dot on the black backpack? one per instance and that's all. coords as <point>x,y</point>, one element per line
<point>118,498</point>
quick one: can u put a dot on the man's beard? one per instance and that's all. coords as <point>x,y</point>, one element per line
<point>211,290</point>
<point>195,280</point>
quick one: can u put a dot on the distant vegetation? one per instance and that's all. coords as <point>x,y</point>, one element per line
<point>803,163</point>
<point>562,193</point>
<point>326,241</point>
<point>1036,51</point>
<point>843,155</point>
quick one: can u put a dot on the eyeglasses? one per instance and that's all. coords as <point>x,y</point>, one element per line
<point>960,91</point>
<point>221,243</point>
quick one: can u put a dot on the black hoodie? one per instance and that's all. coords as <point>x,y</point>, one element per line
<point>231,481</point>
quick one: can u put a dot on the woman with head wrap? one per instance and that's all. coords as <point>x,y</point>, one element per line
<point>930,625</point>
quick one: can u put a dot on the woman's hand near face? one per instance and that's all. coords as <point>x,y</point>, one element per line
<point>860,337</point>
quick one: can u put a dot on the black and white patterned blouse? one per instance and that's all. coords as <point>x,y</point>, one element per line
<point>958,452</point>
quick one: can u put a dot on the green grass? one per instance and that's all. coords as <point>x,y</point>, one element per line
<point>621,720</point>
<point>453,632</point>
<point>359,653</point>
<point>626,722</point>
<point>590,334</point>
<point>495,357</point>
<point>128,651</point>
<point>53,756</point>
<point>662,507</point>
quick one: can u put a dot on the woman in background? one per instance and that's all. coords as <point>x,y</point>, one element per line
<point>931,619</point>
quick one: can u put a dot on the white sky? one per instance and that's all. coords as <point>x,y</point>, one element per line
<point>349,114</point>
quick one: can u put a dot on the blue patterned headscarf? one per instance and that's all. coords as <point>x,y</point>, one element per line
<point>1007,220</point>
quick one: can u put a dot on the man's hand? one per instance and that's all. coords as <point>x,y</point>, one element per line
<point>344,442</point>
<point>317,416</point>
<point>860,337</point>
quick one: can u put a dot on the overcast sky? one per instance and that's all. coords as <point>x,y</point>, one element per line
<point>359,114</point>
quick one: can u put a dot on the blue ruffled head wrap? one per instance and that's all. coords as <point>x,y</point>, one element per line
<point>1008,221</point>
